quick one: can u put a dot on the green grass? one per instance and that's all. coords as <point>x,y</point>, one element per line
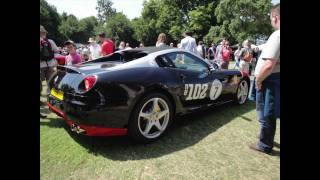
<point>211,144</point>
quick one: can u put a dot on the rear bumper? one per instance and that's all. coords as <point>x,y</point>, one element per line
<point>88,129</point>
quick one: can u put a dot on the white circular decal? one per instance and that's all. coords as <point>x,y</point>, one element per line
<point>216,89</point>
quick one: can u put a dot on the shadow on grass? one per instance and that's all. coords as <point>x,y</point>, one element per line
<point>186,131</point>
<point>245,118</point>
<point>54,122</point>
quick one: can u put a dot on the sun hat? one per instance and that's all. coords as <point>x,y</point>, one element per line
<point>42,29</point>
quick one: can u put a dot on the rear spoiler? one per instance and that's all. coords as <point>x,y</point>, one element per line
<point>69,69</point>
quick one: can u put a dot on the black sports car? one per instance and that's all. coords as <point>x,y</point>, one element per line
<point>139,91</point>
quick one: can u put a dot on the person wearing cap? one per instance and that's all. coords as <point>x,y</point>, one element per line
<point>107,46</point>
<point>73,57</point>
<point>47,62</point>
<point>94,49</point>
<point>171,45</point>
<point>189,43</point>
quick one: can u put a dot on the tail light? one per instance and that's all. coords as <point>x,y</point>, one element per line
<point>89,82</point>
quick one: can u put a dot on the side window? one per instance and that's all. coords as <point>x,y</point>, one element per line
<point>188,62</point>
<point>163,61</point>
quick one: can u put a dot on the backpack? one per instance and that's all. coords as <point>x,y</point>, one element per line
<point>46,51</point>
<point>226,54</point>
<point>247,56</point>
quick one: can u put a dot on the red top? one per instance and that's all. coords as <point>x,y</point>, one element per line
<point>107,47</point>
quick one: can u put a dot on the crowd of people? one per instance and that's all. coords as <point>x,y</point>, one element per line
<point>263,62</point>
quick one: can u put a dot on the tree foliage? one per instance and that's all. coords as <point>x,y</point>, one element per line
<point>105,10</point>
<point>244,19</point>
<point>119,28</point>
<point>209,20</point>
<point>50,19</point>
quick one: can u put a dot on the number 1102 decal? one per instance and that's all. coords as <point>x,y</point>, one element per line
<point>200,91</point>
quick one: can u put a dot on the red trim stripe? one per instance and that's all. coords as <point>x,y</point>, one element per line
<point>91,130</point>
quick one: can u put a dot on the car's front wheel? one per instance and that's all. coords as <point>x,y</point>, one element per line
<point>150,118</point>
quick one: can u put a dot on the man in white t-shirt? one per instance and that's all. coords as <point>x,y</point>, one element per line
<point>189,43</point>
<point>267,75</point>
<point>94,49</point>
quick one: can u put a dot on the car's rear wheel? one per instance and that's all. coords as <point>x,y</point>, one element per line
<point>242,92</point>
<point>151,118</point>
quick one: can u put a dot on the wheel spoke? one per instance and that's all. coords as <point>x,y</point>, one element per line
<point>145,115</point>
<point>162,114</point>
<point>148,127</point>
<point>239,93</point>
<point>155,107</point>
<point>158,125</point>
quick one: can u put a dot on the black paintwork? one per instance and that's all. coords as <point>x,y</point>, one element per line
<point>110,102</point>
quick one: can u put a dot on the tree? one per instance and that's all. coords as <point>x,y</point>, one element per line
<point>105,10</point>
<point>70,28</point>
<point>244,19</point>
<point>119,28</point>
<point>173,17</point>
<point>50,19</point>
<point>200,21</point>
<point>87,28</point>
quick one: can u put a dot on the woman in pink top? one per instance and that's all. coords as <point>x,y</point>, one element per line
<point>73,57</point>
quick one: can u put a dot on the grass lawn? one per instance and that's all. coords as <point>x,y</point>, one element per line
<point>211,144</point>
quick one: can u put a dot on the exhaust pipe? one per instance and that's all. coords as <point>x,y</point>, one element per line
<point>77,129</point>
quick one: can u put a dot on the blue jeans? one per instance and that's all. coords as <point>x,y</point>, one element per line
<point>252,95</point>
<point>268,110</point>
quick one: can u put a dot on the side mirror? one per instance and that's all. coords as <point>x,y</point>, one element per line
<point>215,66</point>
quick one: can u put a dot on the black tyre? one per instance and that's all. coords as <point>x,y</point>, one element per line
<point>242,93</point>
<point>151,118</point>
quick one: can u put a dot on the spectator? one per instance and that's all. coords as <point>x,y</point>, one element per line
<point>245,58</point>
<point>94,49</point>
<point>255,54</point>
<point>107,46</point>
<point>127,46</point>
<point>48,65</point>
<point>171,45</point>
<point>267,75</point>
<point>41,103</point>
<point>201,50</point>
<point>218,55</point>
<point>85,54</point>
<point>141,45</point>
<point>188,43</point>
<point>211,52</point>
<point>161,42</point>
<point>237,57</point>
<point>122,45</point>
<point>226,55</point>
<point>73,57</point>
